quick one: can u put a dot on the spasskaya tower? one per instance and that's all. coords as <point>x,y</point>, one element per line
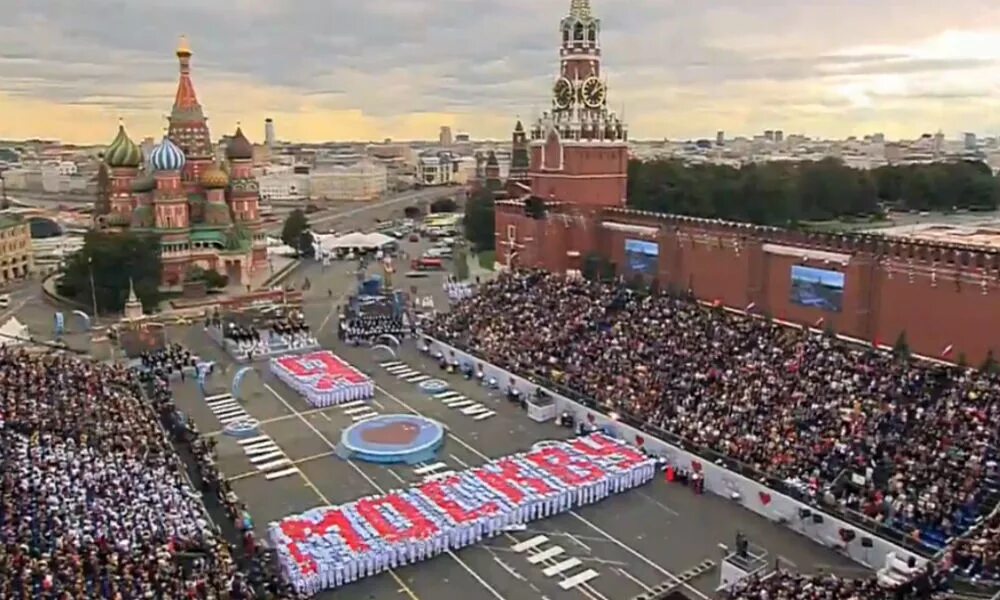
<point>579,150</point>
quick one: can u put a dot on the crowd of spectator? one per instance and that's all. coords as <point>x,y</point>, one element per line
<point>257,573</point>
<point>908,444</point>
<point>786,585</point>
<point>95,502</point>
<point>977,555</point>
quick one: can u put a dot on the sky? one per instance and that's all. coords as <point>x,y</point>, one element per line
<point>350,70</point>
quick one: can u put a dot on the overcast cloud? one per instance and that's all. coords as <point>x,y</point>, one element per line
<point>365,70</point>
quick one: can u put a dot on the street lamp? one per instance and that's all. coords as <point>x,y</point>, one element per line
<point>93,289</point>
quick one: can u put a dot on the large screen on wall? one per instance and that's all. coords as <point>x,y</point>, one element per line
<point>642,257</point>
<point>817,288</point>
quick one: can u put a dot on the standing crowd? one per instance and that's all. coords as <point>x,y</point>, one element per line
<point>907,445</point>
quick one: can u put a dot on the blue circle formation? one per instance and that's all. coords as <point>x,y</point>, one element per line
<point>242,428</point>
<point>392,439</point>
<point>433,386</point>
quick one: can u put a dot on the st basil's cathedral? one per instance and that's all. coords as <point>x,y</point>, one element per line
<point>206,213</point>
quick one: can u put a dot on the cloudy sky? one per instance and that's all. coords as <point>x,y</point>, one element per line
<point>349,69</point>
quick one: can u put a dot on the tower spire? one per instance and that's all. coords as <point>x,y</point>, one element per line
<point>186,101</point>
<point>580,9</point>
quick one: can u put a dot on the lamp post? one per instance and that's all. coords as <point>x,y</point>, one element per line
<point>93,289</point>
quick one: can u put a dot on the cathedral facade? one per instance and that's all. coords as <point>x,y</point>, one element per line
<point>206,213</point>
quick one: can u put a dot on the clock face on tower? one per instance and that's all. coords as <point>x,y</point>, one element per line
<point>563,92</point>
<point>593,92</point>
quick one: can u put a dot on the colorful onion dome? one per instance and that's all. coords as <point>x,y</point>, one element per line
<point>214,178</point>
<point>123,152</point>
<point>167,156</point>
<point>239,148</point>
<point>145,182</point>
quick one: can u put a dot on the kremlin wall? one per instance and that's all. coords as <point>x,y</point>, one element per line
<point>944,297</point>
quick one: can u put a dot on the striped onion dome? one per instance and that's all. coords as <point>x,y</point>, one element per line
<point>166,156</point>
<point>123,152</point>
<point>214,178</point>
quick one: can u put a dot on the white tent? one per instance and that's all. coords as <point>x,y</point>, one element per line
<point>356,240</point>
<point>13,332</point>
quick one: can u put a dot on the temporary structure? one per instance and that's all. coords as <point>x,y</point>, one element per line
<point>13,332</point>
<point>357,240</point>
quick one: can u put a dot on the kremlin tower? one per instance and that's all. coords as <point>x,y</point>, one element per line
<point>205,214</point>
<point>576,157</point>
<point>579,149</point>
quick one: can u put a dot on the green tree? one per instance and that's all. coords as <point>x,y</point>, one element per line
<point>480,220</point>
<point>212,278</point>
<point>114,258</point>
<point>461,262</point>
<point>902,347</point>
<point>412,212</point>
<point>444,205</point>
<point>785,193</point>
<point>296,224</point>
<point>102,204</point>
<point>990,363</point>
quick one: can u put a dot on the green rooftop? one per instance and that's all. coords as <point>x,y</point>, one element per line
<point>9,219</point>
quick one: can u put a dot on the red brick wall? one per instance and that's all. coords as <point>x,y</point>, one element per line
<point>727,263</point>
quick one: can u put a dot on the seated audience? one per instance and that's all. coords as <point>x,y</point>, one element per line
<point>95,502</point>
<point>785,585</point>
<point>907,444</point>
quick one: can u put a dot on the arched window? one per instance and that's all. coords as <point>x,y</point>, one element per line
<point>578,32</point>
<point>565,34</point>
<point>592,33</point>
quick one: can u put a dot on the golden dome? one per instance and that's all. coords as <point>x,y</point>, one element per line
<point>214,178</point>
<point>183,47</point>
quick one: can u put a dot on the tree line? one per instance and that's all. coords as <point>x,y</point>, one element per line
<point>787,194</point>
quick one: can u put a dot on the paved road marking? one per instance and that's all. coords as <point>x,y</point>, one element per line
<point>547,554</point>
<point>634,579</point>
<point>279,474</point>
<point>538,540</point>
<point>558,568</point>
<point>578,579</point>
<point>430,468</point>
<point>266,457</point>
<point>253,440</point>
<point>266,448</point>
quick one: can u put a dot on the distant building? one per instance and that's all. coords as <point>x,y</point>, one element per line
<point>720,138</point>
<point>444,138</point>
<point>779,136</point>
<point>269,138</point>
<point>16,256</point>
<point>284,187</point>
<point>970,141</point>
<point>437,168</point>
<point>364,180</point>
<point>462,138</point>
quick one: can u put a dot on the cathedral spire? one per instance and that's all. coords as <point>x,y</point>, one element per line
<point>186,101</point>
<point>580,9</point>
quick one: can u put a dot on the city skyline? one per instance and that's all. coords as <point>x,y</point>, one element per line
<point>680,71</point>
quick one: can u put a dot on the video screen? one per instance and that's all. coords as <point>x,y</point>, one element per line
<point>818,288</point>
<point>642,256</point>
